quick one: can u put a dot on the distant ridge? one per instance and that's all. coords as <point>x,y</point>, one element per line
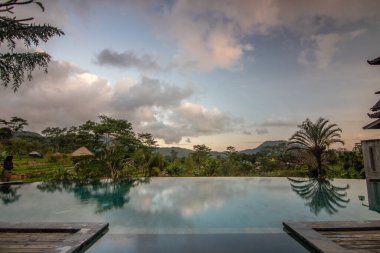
<point>27,134</point>
<point>184,152</point>
<point>263,146</point>
<point>181,152</point>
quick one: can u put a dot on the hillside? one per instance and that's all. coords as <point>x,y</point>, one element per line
<point>182,152</point>
<point>263,146</point>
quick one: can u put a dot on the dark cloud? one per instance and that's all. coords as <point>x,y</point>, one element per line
<point>127,59</point>
<point>262,131</point>
<point>147,92</point>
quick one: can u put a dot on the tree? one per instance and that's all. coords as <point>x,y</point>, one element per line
<point>149,144</point>
<point>56,136</point>
<point>16,124</point>
<point>200,154</point>
<point>14,64</point>
<point>315,139</point>
<point>115,143</point>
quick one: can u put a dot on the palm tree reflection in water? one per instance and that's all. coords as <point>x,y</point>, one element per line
<point>320,194</point>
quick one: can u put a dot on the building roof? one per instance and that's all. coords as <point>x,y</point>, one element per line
<point>373,125</point>
<point>375,115</point>
<point>374,61</point>
<point>376,107</point>
<point>82,151</point>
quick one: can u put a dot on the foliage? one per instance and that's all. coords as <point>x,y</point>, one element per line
<point>15,125</point>
<point>121,153</point>
<point>15,65</point>
<point>315,139</point>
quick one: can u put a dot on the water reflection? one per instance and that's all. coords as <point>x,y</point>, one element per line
<point>106,194</point>
<point>320,194</point>
<point>8,194</point>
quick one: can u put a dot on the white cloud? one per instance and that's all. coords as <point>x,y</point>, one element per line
<point>68,96</point>
<point>192,120</point>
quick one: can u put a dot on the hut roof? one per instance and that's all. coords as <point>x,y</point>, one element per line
<point>82,151</point>
<point>374,61</point>
<point>34,153</point>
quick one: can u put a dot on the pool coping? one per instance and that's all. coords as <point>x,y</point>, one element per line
<point>307,232</point>
<point>11,183</point>
<point>83,234</point>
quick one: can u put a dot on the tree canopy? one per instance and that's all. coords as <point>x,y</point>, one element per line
<point>16,63</point>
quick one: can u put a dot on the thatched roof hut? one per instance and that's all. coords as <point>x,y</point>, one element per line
<point>82,151</point>
<point>35,154</point>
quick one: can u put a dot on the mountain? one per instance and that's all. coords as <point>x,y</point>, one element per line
<point>182,152</point>
<point>27,134</point>
<point>265,145</point>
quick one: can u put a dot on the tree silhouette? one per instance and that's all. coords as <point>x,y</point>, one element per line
<point>320,194</point>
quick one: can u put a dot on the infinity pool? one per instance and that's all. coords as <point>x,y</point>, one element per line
<point>193,214</point>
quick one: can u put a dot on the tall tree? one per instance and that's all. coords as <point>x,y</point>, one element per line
<point>149,144</point>
<point>15,63</point>
<point>115,143</point>
<point>200,154</point>
<point>55,136</point>
<point>315,139</point>
<point>16,124</point>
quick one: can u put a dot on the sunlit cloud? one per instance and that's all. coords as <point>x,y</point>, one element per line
<point>69,96</point>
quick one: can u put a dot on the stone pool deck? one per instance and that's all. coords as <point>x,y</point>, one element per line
<point>49,237</point>
<point>337,236</point>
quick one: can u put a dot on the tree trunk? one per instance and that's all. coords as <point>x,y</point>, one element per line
<point>319,165</point>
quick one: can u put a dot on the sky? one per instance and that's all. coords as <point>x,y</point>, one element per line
<point>217,72</point>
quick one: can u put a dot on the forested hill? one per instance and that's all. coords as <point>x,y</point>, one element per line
<point>183,152</point>
<point>264,146</point>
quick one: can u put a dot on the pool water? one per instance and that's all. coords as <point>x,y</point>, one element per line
<point>193,214</point>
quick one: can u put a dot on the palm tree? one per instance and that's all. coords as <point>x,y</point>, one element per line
<point>315,139</point>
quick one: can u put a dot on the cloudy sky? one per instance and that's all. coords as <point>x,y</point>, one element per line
<point>216,72</point>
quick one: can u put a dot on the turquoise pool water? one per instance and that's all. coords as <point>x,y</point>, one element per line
<point>240,214</point>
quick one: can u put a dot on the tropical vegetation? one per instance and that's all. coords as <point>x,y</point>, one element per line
<point>121,153</point>
<point>315,139</point>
